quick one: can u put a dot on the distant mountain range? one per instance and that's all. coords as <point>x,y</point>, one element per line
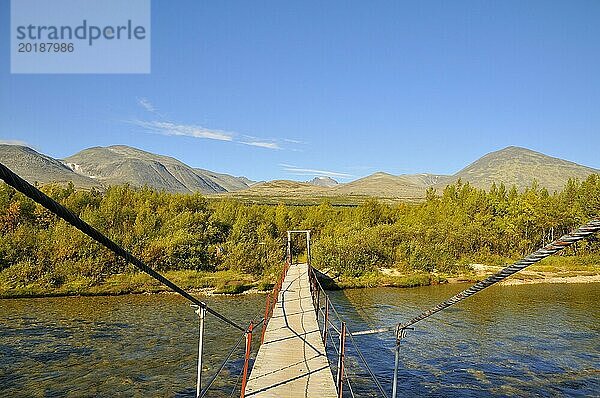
<point>35,167</point>
<point>119,164</point>
<point>320,181</point>
<point>103,166</point>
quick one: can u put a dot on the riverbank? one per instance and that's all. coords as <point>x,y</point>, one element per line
<point>552,270</point>
<point>560,269</point>
<point>219,282</point>
<point>394,278</point>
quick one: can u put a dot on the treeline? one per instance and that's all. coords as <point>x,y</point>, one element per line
<point>462,224</point>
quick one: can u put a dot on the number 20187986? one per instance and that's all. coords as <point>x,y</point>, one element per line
<point>45,48</point>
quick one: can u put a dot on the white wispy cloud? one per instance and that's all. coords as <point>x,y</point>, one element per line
<point>171,128</point>
<point>187,130</point>
<point>147,105</point>
<point>307,171</point>
<point>262,144</point>
<point>291,141</point>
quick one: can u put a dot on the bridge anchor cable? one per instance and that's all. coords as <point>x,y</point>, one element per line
<point>561,243</point>
<point>50,204</point>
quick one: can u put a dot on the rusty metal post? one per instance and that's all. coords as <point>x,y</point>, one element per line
<point>266,319</point>
<point>340,370</point>
<point>318,304</point>
<point>246,359</point>
<point>289,247</point>
<point>308,248</point>
<point>325,324</point>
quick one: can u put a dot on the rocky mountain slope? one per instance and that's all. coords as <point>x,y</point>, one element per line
<point>520,167</point>
<point>121,164</point>
<point>321,181</point>
<point>38,168</point>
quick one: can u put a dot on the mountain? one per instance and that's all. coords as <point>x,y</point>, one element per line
<point>382,185</point>
<point>327,182</point>
<point>35,167</point>
<point>119,164</point>
<point>228,182</point>
<point>424,179</point>
<point>520,167</point>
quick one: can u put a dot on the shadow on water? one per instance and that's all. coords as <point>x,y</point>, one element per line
<point>537,340</point>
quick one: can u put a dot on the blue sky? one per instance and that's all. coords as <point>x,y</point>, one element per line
<point>269,89</point>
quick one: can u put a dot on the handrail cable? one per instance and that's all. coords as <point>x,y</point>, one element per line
<point>235,346</point>
<point>50,204</point>
<point>349,333</point>
<point>346,377</point>
<point>237,380</point>
<point>379,386</point>
<point>559,244</point>
<point>212,380</point>
<point>360,354</point>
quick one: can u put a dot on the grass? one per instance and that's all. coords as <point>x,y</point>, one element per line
<point>590,263</point>
<point>264,286</point>
<point>223,282</point>
<point>291,200</point>
<point>231,282</point>
<point>378,279</point>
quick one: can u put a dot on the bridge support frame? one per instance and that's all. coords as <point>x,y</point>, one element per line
<point>201,311</point>
<point>340,369</point>
<point>400,334</point>
<point>246,359</point>
<point>289,244</point>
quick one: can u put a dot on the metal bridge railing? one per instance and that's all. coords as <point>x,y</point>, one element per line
<point>271,302</point>
<point>330,322</point>
<point>273,298</point>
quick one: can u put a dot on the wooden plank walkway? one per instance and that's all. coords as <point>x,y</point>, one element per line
<point>291,361</point>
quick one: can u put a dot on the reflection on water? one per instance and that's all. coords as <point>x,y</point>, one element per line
<point>539,340</point>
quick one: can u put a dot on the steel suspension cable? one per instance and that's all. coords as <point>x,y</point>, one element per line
<point>564,241</point>
<point>212,380</point>
<point>345,371</point>
<point>379,386</point>
<point>350,334</point>
<point>50,204</point>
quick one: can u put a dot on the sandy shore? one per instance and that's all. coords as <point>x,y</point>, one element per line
<point>553,279</point>
<point>528,277</point>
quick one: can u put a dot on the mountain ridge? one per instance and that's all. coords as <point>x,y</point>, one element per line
<point>27,162</point>
<point>100,167</point>
<point>322,181</point>
<point>520,166</point>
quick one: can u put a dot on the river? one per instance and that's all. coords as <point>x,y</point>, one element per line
<point>529,340</point>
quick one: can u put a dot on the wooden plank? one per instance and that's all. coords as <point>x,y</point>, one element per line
<point>291,361</point>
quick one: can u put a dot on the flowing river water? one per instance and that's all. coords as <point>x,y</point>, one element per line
<point>528,340</point>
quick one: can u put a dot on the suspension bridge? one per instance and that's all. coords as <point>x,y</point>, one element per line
<point>299,322</point>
